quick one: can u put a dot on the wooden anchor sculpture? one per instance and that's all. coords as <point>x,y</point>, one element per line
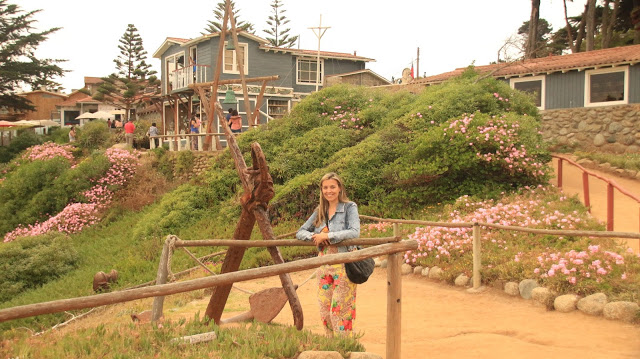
<point>258,191</point>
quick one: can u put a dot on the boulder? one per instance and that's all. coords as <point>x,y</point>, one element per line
<point>511,288</point>
<point>593,304</point>
<point>435,273</point>
<point>425,272</point>
<point>599,140</point>
<point>565,303</point>
<point>462,280</point>
<point>543,296</point>
<point>526,286</point>
<point>417,270</point>
<point>406,269</point>
<point>625,311</point>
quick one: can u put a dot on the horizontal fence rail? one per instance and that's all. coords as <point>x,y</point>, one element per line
<point>56,306</point>
<point>279,242</point>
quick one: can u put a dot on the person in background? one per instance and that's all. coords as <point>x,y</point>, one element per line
<point>108,123</point>
<point>334,220</point>
<point>235,122</point>
<point>129,129</point>
<point>194,128</point>
<point>72,134</point>
<point>153,134</point>
<point>229,114</point>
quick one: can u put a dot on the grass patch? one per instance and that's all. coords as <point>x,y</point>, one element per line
<point>627,161</point>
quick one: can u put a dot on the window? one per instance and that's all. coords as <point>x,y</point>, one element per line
<point>533,85</point>
<point>306,71</point>
<point>607,86</point>
<point>230,61</point>
<point>277,108</point>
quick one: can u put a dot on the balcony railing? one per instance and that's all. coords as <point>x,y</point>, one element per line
<point>183,77</point>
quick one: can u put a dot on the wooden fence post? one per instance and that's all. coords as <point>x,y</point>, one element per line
<point>394,303</point>
<point>161,278</point>
<point>477,263</point>
<point>609,207</point>
<point>585,189</point>
<point>559,172</point>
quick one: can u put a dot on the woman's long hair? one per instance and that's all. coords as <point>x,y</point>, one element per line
<point>323,207</point>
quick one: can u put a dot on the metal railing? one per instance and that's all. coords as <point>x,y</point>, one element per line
<point>184,141</point>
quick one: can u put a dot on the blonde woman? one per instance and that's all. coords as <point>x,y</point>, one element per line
<point>334,220</point>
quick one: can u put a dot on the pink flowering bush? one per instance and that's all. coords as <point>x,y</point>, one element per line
<point>564,264</point>
<point>122,165</point>
<point>47,151</point>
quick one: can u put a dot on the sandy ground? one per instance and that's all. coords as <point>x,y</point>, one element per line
<point>442,321</point>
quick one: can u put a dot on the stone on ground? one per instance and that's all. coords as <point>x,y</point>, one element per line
<point>565,303</point>
<point>526,286</point>
<point>462,280</point>
<point>406,269</point>
<point>593,304</point>
<point>435,273</point>
<point>625,311</point>
<point>511,288</point>
<point>417,270</point>
<point>543,296</point>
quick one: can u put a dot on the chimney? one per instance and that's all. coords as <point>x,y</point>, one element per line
<point>354,53</point>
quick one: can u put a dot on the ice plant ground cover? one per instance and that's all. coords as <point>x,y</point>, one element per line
<point>565,264</point>
<point>84,212</point>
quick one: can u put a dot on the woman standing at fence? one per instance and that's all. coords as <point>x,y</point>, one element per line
<point>334,220</point>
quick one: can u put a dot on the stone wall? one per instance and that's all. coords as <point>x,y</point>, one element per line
<point>614,129</point>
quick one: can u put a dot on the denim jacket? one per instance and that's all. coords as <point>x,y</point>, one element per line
<point>345,224</point>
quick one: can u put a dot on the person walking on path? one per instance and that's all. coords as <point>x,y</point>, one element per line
<point>235,122</point>
<point>129,129</point>
<point>334,220</point>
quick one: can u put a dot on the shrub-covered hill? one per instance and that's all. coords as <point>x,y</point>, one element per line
<point>398,152</point>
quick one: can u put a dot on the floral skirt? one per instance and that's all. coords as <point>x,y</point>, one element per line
<point>336,297</point>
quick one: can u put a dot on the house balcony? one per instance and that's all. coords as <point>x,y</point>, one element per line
<point>180,79</point>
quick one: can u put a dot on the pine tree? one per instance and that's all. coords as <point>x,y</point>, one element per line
<point>18,64</point>
<point>124,88</point>
<point>280,38</point>
<point>216,25</point>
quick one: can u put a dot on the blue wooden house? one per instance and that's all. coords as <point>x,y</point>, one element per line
<point>193,61</point>
<point>585,79</point>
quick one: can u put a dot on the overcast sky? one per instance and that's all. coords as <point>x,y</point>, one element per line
<point>450,34</point>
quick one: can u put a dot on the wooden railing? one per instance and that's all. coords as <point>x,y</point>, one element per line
<point>185,76</point>
<point>184,141</point>
<point>611,185</point>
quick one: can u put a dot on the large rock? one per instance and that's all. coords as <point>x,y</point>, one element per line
<point>425,272</point>
<point>417,270</point>
<point>511,288</point>
<point>435,273</point>
<point>593,304</point>
<point>406,269</point>
<point>626,311</point>
<point>543,296</point>
<point>526,286</point>
<point>462,280</point>
<point>599,140</point>
<point>565,303</point>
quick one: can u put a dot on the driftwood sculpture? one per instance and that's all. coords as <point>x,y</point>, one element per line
<point>258,191</point>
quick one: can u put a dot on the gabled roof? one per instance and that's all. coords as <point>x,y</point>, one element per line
<point>546,65</point>
<point>264,45</point>
<point>76,97</point>
<point>361,72</point>
<point>44,92</point>
<point>92,80</point>
<point>168,42</point>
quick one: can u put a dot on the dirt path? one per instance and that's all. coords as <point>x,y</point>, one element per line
<point>442,321</point>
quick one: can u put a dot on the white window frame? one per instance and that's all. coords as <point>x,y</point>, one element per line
<point>288,101</point>
<point>298,82</point>
<point>541,78</point>
<point>169,73</point>
<point>234,70</point>
<point>587,86</point>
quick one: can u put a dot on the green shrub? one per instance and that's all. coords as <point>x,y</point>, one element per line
<point>184,162</point>
<point>24,140</point>
<point>93,135</point>
<point>33,261</point>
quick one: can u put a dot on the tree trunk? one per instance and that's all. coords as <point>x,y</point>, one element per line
<point>591,24</point>
<point>572,46</point>
<point>581,29</point>
<point>533,29</point>
<point>608,22</point>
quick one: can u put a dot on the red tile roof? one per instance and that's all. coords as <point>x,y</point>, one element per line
<point>545,65</point>
<point>92,80</point>
<point>78,97</point>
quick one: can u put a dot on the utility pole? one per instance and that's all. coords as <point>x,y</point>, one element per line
<point>418,64</point>
<point>319,33</point>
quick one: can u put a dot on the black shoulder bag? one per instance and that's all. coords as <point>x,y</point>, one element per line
<point>359,271</point>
